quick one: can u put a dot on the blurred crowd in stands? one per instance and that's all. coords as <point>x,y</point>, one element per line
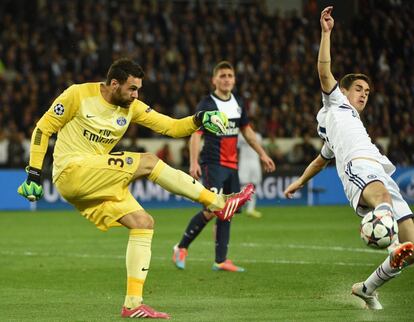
<point>47,45</point>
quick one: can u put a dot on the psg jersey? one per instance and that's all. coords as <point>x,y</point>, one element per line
<point>222,148</point>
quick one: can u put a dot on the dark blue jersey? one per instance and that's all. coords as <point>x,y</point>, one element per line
<point>222,148</point>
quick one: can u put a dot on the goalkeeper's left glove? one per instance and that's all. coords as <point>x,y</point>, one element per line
<point>213,121</point>
<point>31,188</point>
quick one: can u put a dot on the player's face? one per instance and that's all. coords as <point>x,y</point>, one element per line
<point>224,80</point>
<point>123,95</point>
<point>358,94</point>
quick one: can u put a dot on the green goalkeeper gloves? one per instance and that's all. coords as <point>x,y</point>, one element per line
<point>31,189</point>
<point>214,121</point>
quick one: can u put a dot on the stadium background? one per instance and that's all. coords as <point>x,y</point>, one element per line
<point>301,261</point>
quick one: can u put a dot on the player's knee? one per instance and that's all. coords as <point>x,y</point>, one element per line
<point>384,196</point>
<point>376,193</point>
<point>379,191</point>
<point>144,221</point>
<point>138,220</point>
<point>146,164</point>
<point>208,215</point>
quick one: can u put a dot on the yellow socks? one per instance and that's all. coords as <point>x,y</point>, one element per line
<point>138,257</point>
<point>180,183</point>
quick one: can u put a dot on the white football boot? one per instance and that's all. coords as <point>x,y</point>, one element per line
<point>371,301</point>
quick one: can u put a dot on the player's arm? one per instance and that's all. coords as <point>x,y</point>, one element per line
<point>250,137</point>
<point>55,118</point>
<point>326,78</point>
<point>194,146</point>
<point>60,112</point>
<point>40,140</point>
<point>175,128</point>
<point>214,121</point>
<point>316,166</point>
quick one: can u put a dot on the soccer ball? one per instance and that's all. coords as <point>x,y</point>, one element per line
<point>379,229</point>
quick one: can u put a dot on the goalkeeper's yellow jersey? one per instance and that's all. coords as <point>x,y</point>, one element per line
<point>86,124</point>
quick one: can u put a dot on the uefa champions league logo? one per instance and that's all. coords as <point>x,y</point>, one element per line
<point>406,184</point>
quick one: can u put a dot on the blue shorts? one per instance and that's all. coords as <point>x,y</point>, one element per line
<point>220,179</point>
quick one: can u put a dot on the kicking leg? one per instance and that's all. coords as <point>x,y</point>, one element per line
<point>177,182</point>
<point>375,195</point>
<point>180,183</point>
<point>400,257</point>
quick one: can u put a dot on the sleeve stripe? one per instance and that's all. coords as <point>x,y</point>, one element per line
<point>38,137</point>
<point>322,129</point>
<point>336,85</point>
<point>324,157</point>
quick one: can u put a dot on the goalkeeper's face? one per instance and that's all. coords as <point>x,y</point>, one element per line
<point>124,94</point>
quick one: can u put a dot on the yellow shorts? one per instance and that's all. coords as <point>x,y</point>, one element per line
<point>97,186</point>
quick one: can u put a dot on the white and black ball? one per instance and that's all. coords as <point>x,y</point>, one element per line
<point>379,229</point>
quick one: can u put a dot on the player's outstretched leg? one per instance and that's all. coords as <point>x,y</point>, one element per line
<point>389,269</point>
<point>143,311</point>
<point>180,183</point>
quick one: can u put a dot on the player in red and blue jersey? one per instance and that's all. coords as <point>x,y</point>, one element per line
<point>218,162</point>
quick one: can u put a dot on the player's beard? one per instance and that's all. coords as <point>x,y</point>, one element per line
<point>117,99</point>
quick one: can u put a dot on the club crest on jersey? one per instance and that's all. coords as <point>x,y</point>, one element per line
<point>59,109</point>
<point>121,121</point>
<point>149,109</point>
<point>129,160</point>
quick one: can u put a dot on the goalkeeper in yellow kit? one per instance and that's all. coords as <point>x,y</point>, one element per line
<point>90,119</point>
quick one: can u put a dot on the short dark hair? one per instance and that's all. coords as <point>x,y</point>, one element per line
<point>222,65</point>
<point>347,81</point>
<point>122,68</point>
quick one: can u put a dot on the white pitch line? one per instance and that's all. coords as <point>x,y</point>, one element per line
<point>315,247</point>
<point>248,261</point>
<point>264,245</point>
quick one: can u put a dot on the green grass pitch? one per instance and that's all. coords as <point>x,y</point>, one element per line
<point>301,263</point>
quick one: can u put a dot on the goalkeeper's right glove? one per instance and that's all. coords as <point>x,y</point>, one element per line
<point>31,189</point>
<point>213,121</point>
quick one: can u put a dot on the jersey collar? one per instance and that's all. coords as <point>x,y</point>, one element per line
<point>214,94</point>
